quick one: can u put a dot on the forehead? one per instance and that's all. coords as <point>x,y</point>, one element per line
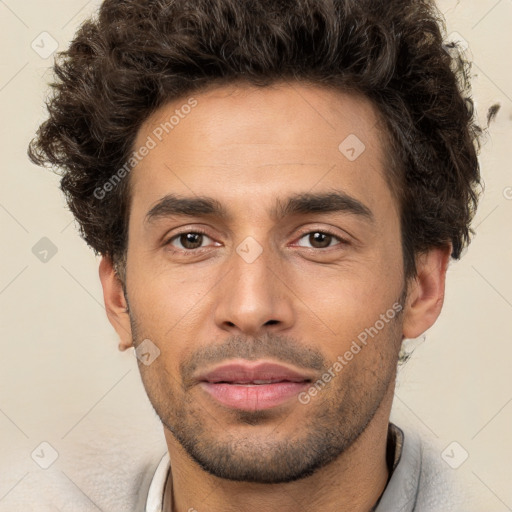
<point>239,142</point>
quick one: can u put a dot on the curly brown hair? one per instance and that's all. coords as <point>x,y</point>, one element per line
<point>137,55</point>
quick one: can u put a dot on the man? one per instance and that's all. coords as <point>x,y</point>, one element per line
<point>276,189</point>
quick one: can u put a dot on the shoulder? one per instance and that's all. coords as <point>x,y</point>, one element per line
<point>424,482</point>
<point>109,472</point>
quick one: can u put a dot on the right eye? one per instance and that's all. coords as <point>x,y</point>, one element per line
<point>189,241</point>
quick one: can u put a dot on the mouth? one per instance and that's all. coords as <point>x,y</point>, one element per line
<point>253,386</point>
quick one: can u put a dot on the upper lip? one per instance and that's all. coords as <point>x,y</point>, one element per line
<point>249,372</point>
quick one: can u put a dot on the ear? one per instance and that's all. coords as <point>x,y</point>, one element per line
<point>425,295</point>
<point>115,302</point>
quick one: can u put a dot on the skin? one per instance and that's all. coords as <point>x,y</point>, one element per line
<point>301,303</point>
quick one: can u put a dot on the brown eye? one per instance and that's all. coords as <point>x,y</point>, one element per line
<point>188,241</point>
<point>319,240</point>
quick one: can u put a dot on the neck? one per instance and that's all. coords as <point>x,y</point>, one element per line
<point>354,481</point>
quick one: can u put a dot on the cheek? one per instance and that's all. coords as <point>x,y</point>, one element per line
<point>172,308</point>
<point>162,295</point>
<point>345,299</point>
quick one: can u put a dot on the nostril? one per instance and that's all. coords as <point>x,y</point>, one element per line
<point>272,322</point>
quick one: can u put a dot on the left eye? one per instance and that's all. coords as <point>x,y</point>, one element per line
<point>189,241</point>
<point>319,239</point>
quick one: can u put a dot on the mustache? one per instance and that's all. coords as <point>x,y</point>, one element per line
<point>283,349</point>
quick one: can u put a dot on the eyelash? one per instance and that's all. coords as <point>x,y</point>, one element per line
<point>199,231</point>
<point>342,241</point>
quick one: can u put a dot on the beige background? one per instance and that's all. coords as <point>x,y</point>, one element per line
<point>62,379</point>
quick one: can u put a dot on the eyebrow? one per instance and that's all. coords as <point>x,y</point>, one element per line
<point>330,202</point>
<point>298,204</point>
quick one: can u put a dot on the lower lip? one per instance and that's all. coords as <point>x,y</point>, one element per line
<point>256,397</point>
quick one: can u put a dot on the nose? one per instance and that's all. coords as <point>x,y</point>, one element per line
<point>254,296</point>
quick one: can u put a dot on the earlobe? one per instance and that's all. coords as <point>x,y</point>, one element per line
<point>115,302</point>
<point>426,292</point>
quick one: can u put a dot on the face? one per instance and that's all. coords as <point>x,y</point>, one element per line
<point>261,230</point>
